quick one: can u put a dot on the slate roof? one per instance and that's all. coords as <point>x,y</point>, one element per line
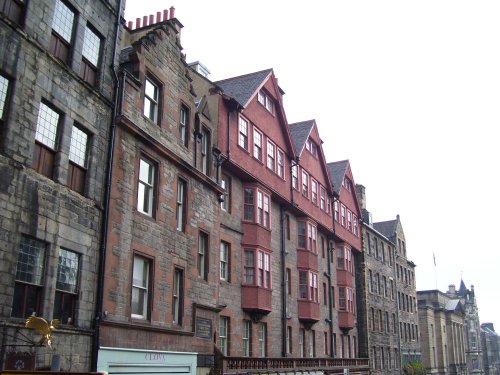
<point>387,228</point>
<point>452,304</point>
<point>463,289</point>
<point>337,172</point>
<point>300,132</point>
<point>242,88</point>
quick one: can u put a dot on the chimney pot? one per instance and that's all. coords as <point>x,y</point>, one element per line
<point>130,25</point>
<point>158,17</point>
<point>165,14</point>
<point>137,23</point>
<point>151,19</point>
<point>144,21</point>
<point>172,12</point>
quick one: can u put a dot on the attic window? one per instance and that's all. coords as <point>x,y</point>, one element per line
<point>266,101</point>
<point>312,147</point>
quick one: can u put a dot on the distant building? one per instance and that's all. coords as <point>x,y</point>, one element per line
<point>490,341</point>
<point>391,319</point>
<point>442,322</point>
<point>473,347</point>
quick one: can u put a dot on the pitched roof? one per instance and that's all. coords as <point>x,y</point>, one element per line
<point>463,289</point>
<point>242,88</point>
<point>300,132</point>
<point>387,228</point>
<point>452,304</point>
<point>337,172</point>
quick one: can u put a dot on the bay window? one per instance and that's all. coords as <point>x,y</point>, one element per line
<point>308,285</point>
<point>257,213</point>
<point>261,268</point>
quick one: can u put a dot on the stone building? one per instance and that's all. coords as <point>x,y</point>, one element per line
<point>378,283</point>
<point>442,322</point>
<point>161,298</point>
<point>473,345</point>
<point>490,341</point>
<point>409,337</point>
<point>56,106</point>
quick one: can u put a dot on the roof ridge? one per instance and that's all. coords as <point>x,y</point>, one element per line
<point>243,75</point>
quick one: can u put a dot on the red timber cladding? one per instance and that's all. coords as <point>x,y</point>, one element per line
<point>308,310</point>
<point>315,170</point>
<point>346,319</point>
<point>307,259</point>
<point>256,235</point>
<point>348,199</point>
<point>271,127</point>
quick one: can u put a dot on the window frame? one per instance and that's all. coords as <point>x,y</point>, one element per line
<point>308,285</point>
<point>181,204</point>
<point>178,296</point>
<point>246,337</point>
<point>225,261</point>
<point>205,145</point>
<point>224,331</point>
<point>60,46</point>
<point>89,70</point>
<point>147,298</point>
<point>265,100</point>
<point>243,130</point>
<point>151,186</point>
<point>305,183</point>
<point>47,141</point>
<point>271,155</point>
<point>295,177</point>
<point>13,10</point>
<point>225,183</point>
<point>62,296</point>
<point>280,163</point>
<point>154,112</point>
<point>257,143</point>
<point>262,339</point>
<point>184,114</point>
<point>203,254</point>
<point>29,292</point>
<point>4,94</point>
<point>257,268</point>
<point>257,206</point>
<point>77,172</point>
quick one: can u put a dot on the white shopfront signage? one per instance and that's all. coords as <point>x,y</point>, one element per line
<point>116,361</point>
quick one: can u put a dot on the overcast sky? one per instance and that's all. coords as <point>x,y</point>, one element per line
<point>409,92</point>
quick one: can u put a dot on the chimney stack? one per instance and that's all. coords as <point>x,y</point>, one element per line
<point>150,20</point>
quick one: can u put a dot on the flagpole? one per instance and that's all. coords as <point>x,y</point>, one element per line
<point>435,269</point>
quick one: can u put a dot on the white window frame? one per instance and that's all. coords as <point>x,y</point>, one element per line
<point>141,285</point>
<point>181,204</point>
<point>146,187</point>
<point>280,163</point>
<point>262,339</point>
<point>271,155</point>
<point>224,335</point>
<point>243,133</point>
<point>246,337</point>
<point>257,144</point>
<point>151,99</point>
<point>224,261</point>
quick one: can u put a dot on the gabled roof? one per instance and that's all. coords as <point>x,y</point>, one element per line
<point>337,172</point>
<point>387,228</point>
<point>243,88</point>
<point>300,132</point>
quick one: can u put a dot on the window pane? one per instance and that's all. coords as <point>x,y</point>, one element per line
<point>78,147</point>
<point>4,85</point>
<point>67,271</point>
<point>46,127</point>
<point>63,21</point>
<point>91,46</point>
<point>30,261</point>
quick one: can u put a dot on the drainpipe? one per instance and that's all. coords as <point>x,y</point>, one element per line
<point>329,258</point>
<point>283,281</point>
<point>227,135</point>
<point>397,304</point>
<point>107,195</point>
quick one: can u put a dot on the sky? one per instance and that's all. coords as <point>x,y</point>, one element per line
<point>408,91</point>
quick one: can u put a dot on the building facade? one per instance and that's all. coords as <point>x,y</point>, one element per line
<point>56,106</point>
<point>473,344</point>
<point>379,285</point>
<point>442,322</point>
<point>409,336</point>
<point>161,288</point>
<point>490,341</point>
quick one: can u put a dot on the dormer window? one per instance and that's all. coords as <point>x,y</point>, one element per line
<point>312,147</point>
<point>266,101</point>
